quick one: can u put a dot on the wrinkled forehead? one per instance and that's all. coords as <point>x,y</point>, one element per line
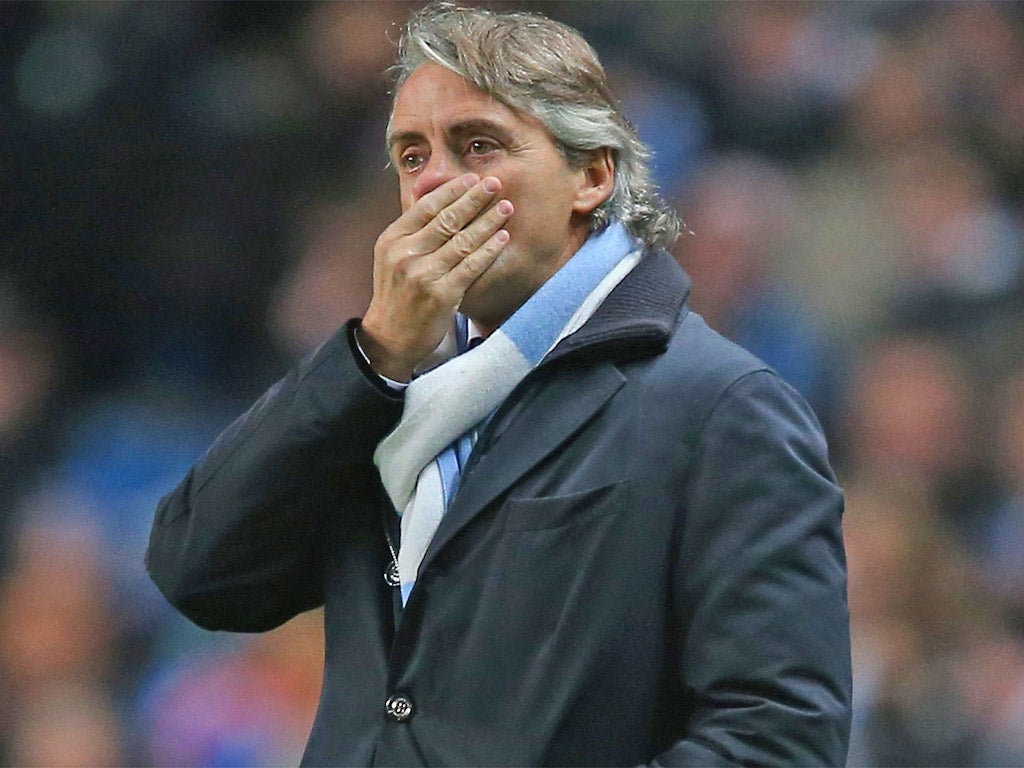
<point>433,93</point>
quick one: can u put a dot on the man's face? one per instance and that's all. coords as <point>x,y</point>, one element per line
<point>442,127</point>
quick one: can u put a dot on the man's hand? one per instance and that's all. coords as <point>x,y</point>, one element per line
<point>424,263</point>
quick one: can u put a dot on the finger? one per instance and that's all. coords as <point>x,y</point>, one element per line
<point>464,274</point>
<point>424,210</point>
<point>455,217</point>
<point>473,236</point>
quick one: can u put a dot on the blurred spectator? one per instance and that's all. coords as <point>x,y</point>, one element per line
<point>999,545</point>
<point>893,108</point>
<point>29,409</point>
<point>331,277</point>
<point>253,707</point>
<point>908,410</point>
<point>783,72</point>
<point>57,636</point>
<point>668,118</point>
<point>957,242</point>
<point>906,605</point>
<point>741,210</point>
<point>843,262</point>
<point>990,677</point>
<point>921,630</point>
<point>973,56</point>
<point>69,726</point>
<point>348,46</point>
<point>908,414</point>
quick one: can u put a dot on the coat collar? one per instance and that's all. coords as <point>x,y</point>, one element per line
<point>639,316</point>
<point>636,320</point>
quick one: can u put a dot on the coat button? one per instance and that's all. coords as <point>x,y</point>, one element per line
<point>399,707</point>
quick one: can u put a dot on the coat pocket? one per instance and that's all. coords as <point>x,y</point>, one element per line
<point>551,512</point>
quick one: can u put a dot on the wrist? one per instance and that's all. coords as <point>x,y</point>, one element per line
<point>390,367</point>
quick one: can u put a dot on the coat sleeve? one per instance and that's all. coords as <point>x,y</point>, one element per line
<point>763,630</point>
<point>237,544</point>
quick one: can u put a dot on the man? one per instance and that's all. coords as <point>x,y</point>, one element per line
<point>602,536</point>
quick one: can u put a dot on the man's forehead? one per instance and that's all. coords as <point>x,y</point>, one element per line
<point>433,95</point>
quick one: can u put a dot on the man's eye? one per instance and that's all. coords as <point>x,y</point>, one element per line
<point>410,161</point>
<point>480,147</point>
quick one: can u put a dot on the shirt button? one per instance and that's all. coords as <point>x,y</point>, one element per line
<point>399,707</point>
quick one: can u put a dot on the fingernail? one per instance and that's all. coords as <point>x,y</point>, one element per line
<point>491,184</point>
<point>470,180</point>
<point>504,207</point>
<point>501,236</point>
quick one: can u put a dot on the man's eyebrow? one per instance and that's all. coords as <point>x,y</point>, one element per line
<point>403,137</point>
<point>481,125</point>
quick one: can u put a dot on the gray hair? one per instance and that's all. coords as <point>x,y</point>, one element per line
<point>543,68</point>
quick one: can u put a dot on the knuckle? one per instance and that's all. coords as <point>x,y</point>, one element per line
<point>383,243</point>
<point>391,257</point>
<point>429,207</point>
<point>463,243</point>
<point>401,269</point>
<point>448,222</point>
<point>405,265</point>
<point>474,264</point>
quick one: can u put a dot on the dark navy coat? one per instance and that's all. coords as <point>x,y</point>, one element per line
<point>644,562</point>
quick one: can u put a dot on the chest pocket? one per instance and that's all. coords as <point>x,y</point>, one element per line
<point>553,512</point>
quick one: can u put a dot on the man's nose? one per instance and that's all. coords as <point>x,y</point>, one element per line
<point>440,168</point>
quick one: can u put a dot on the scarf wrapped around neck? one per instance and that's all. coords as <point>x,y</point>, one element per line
<point>422,459</point>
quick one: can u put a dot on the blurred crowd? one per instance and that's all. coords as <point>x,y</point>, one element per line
<point>190,196</point>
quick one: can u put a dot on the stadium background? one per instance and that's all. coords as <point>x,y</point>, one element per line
<point>189,194</point>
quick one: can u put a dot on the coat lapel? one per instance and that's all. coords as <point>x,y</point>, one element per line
<point>521,438</point>
<point>637,319</point>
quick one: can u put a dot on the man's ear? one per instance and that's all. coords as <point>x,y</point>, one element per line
<point>598,182</point>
